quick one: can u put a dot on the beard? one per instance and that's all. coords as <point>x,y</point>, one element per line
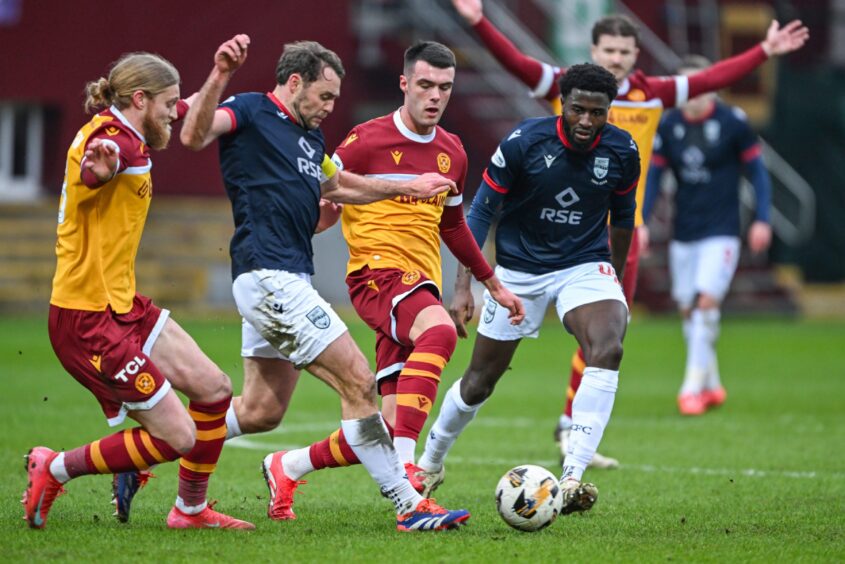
<point>581,146</point>
<point>156,133</point>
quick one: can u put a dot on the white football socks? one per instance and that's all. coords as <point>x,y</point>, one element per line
<point>590,413</point>
<point>405,448</point>
<point>369,440</point>
<point>297,463</point>
<point>704,329</point>
<point>233,428</point>
<point>454,416</point>
<point>58,469</point>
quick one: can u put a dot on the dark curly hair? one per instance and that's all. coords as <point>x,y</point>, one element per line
<point>590,78</point>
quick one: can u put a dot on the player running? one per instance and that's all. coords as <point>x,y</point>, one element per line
<point>557,179</point>
<point>127,351</point>
<point>636,109</point>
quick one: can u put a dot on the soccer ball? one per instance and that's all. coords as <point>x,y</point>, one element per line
<point>528,497</point>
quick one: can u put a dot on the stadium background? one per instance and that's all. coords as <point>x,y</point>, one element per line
<point>51,48</point>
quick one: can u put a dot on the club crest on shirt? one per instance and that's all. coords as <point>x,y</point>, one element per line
<point>410,277</point>
<point>712,131</point>
<point>444,163</point>
<point>600,166</point>
<point>145,383</point>
<point>319,318</point>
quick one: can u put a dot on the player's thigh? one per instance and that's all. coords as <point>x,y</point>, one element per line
<point>268,386</point>
<point>682,269</point>
<point>716,265</point>
<point>188,369</point>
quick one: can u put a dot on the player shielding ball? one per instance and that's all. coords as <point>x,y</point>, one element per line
<point>394,271</point>
<point>636,109</point>
<point>557,179</point>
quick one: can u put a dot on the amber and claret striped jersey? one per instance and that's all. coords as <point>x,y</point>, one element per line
<point>641,99</point>
<point>402,232</point>
<point>100,228</point>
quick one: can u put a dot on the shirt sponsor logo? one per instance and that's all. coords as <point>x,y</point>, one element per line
<point>444,163</point>
<point>565,199</point>
<point>309,168</point>
<point>306,148</point>
<point>397,156</point>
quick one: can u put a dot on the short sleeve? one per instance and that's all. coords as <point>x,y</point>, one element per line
<point>504,167</point>
<point>238,111</point>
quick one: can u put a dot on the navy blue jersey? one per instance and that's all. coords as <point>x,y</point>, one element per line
<point>707,157</point>
<point>556,198</point>
<point>271,170</point>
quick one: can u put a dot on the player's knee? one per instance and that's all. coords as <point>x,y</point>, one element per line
<point>217,387</point>
<point>475,387</point>
<point>266,418</point>
<point>606,354</point>
<point>182,437</point>
<point>360,383</point>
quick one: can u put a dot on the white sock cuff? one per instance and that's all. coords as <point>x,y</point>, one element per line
<point>455,391</point>
<point>233,428</point>
<point>360,431</point>
<point>601,379</point>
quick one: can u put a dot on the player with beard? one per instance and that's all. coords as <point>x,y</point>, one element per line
<point>127,351</point>
<point>275,170</point>
<point>636,109</point>
<point>394,271</point>
<point>557,179</point>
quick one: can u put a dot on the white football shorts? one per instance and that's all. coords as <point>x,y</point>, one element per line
<point>568,288</point>
<point>704,266</point>
<point>284,316</point>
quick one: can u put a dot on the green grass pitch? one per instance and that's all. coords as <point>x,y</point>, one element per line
<point>760,480</point>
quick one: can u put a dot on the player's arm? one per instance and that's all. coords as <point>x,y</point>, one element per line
<point>623,207</point>
<point>483,210</point>
<point>779,41</point>
<point>751,155</point>
<point>108,152</point>
<point>655,174</point>
<point>460,241</point>
<point>344,187</point>
<point>538,76</point>
<point>204,122</point>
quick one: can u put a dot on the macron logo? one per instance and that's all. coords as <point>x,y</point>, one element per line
<point>515,134</point>
<point>549,160</point>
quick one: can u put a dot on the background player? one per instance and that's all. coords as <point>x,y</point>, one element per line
<point>394,270</point>
<point>272,156</point>
<point>637,109</point>
<point>557,179</point>
<point>128,352</point>
<point>706,145</point>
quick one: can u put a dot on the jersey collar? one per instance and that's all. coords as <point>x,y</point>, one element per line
<point>566,143</point>
<point>119,115</point>
<point>282,107</point>
<point>403,129</point>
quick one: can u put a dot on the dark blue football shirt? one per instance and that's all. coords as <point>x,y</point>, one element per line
<point>555,198</point>
<point>272,171</point>
<point>707,157</point>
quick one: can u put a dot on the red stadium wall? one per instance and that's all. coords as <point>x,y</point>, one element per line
<point>57,46</point>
